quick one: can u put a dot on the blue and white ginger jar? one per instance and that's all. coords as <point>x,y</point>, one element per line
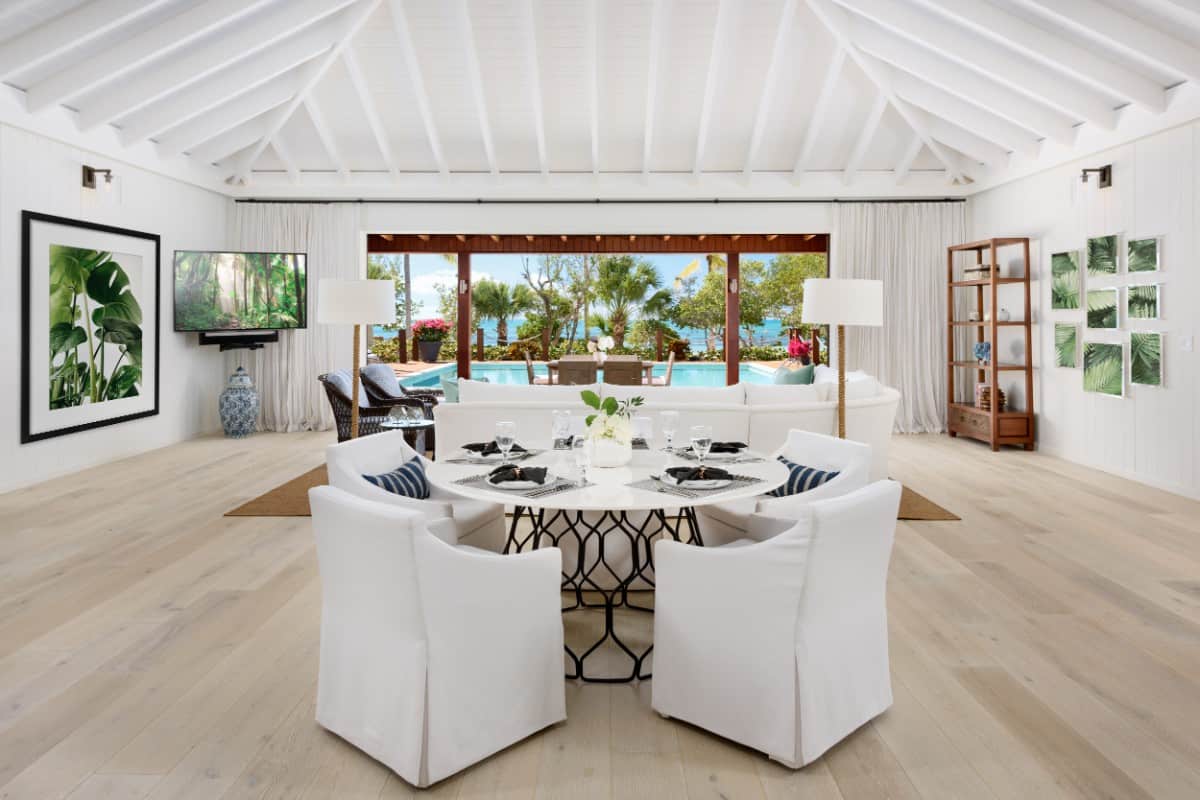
<point>239,405</point>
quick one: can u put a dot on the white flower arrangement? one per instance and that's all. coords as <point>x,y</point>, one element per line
<point>605,343</point>
<point>613,420</point>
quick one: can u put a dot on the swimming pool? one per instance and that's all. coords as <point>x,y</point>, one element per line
<point>685,374</point>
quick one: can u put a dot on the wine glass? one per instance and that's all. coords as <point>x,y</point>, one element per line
<point>701,441</point>
<point>670,424</point>
<point>581,448</point>
<point>561,429</point>
<point>412,415</point>
<point>506,434</point>
<point>398,414</point>
<point>643,428</point>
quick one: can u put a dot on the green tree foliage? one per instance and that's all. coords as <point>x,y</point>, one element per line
<point>239,291</point>
<point>390,266</point>
<point>499,301</point>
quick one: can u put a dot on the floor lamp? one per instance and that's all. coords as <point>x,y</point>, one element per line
<point>357,303</point>
<point>834,301</point>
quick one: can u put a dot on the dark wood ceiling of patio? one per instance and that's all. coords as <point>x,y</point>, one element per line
<point>593,243</point>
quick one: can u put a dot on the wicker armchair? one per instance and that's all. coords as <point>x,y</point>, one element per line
<point>383,389</point>
<point>370,416</point>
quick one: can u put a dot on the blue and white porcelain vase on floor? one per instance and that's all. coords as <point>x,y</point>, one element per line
<point>239,405</point>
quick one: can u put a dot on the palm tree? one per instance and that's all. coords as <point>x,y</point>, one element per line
<point>499,301</point>
<point>624,285</point>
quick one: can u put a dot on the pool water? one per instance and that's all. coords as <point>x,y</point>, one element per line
<point>685,374</point>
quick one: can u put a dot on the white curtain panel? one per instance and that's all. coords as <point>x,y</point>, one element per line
<point>904,245</point>
<point>286,373</point>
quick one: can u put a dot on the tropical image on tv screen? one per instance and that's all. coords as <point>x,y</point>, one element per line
<point>239,291</point>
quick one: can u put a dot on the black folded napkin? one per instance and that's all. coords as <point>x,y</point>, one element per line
<point>491,448</point>
<point>727,447</point>
<point>681,474</point>
<point>512,472</point>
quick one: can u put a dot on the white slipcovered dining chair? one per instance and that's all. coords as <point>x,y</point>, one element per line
<point>476,522</point>
<point>723,523</point>
<point>433,657</point>
<point>780,645</point>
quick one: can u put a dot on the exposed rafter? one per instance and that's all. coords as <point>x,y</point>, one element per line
<point>658,12</point>
<point>370,113</point>
<point>466,34</point>
<point>413,65</point>
<point>592,54</point>
<point>820,110</point>
<point>535,83</point>
<point>267,31</point>
<point>325,135</point>
<point>285,157</point>
<point>1040,44</point>
<point>76,27</point>
<point>974,147</point>
<point>904,167</point>
<point>242,108</point>
<point>112,63</point>
<point>220,148</point>
<point>362,12</point>
<point>978,121</point>
<point>835,21</point>
<point>992,60</point>
<point>206,95</point>
<point>787,18</point>
<point>710,82</point>
<point>866,134</point>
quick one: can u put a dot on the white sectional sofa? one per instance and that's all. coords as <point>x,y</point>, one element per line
<point>760,415</point>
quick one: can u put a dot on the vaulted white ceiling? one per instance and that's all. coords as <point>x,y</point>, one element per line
<point>582,97</point>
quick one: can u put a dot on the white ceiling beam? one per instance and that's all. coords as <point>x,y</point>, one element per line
<point>267,31</point>
<point>657,14</point>
<point>836,21</point>
<point>362,12</point>
<point>965,84</point>
<point>783,31</point>
<point>242,108</point>
<point>136,51</point>
<point>866,134</point>
<point>992,60</point>
<point>974,147</point>
<point>529,23</point>
<point>413,65</point>
<point>906,161</point>
<point>370,113</point>
<point>466,34</point>
<point>592,54</point>
<point>14,9</point>
<point>1050,48</point>
<point>710,82</point>
<point>234,140</point>
<point>325,135</point>
<point>60,34</point>
<point>820,109</point>
<point>1125,33</point>
<point>285,156</point>
<point>970,117</point>
<point>199,98</point>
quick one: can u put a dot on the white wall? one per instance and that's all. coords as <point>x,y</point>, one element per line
<point>39,174</point>
<point>1153,433</point>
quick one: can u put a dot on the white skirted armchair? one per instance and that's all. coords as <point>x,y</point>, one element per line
<point>433,657</point>
<point>781,645</point>
<point>476,522</point>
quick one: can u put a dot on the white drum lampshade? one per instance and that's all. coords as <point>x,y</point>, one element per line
<point>357,303</point>
<point>834,301</point>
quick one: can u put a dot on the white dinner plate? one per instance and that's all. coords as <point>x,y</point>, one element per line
<point>716,483</point>
<point>514,486</point>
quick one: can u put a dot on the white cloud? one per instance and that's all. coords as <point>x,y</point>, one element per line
<point>425,283</point>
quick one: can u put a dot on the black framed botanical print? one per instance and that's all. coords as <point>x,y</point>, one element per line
<point>89,325</point>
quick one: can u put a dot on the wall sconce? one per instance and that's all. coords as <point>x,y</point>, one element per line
<point>462,287</point>
<point>733,286</point>
<point>90,175</point>
<point>1105,173</point>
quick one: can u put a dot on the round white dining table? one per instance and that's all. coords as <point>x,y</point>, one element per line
<point>626,503</point>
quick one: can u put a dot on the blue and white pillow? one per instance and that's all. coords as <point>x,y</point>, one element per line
<point>801,479</point>
<point>407,480</point>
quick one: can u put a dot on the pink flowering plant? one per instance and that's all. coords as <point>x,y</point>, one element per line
<point>798,348</point>
<point>430,330</point>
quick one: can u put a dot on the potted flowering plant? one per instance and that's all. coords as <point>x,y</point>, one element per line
<point>429,334</point>
<point>799,349</point>
<point>599,348</point>
<point>610,429</point>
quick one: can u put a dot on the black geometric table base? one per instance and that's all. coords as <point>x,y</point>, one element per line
<point>594,528</point>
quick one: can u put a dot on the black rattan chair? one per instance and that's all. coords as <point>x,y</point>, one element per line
<point>370,415</point>
<point>384,389</point>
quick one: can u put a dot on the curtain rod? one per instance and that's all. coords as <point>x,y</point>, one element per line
<point>595,201</point>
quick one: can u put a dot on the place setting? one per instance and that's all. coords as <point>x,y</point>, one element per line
<point>501,450</point>
<point>702,479</point>
<point>526,481</point>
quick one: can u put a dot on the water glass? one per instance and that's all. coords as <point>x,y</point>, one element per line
<point>506,434</point>
<point>643,428</point>
<point>670,424</point>
<point>561,429</point>
<point>397,415</point>
<point>581,448</point>
<point>701,441</point>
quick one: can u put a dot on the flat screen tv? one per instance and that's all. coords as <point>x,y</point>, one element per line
<point>217,291</point>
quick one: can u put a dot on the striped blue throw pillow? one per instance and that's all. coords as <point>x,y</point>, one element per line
<point>801,479</point>
<point>407,480</point>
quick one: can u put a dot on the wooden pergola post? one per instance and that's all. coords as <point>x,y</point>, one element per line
<point>733,318</point>
<point>463,331</point>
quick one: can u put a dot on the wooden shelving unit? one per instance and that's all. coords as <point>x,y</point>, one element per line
<point>992,426</point>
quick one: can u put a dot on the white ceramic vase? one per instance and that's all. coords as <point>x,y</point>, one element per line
<point>611,452</point>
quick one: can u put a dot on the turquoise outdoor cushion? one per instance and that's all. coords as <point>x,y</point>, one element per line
<point>787,374</point>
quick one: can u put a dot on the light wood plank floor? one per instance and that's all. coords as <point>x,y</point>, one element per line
<point>1046,646</point>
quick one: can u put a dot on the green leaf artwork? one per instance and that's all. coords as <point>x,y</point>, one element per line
<point>1064,285</point>
<point>1145,359</point>
<point>1065,339</point>
<point>1102,255</point>
<point>1143,302</point>
<point>1102,308</point>
<point>95,329</point>
<point>1143,255</point>
<point>1103,369</point>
